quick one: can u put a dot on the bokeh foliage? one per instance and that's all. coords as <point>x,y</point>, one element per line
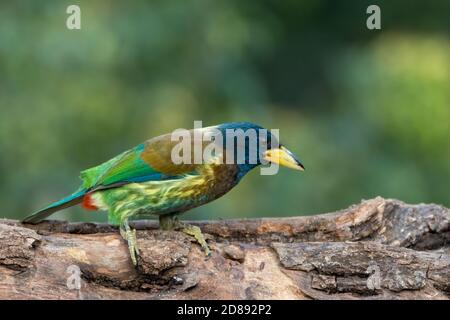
<point>368,112</point>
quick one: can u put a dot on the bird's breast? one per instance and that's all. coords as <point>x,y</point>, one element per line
<point>211,182</point>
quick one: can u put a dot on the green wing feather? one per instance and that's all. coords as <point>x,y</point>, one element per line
<point>120,169</point>
<point>148,161</point>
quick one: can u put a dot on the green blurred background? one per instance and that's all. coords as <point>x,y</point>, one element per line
<point>368,112</point>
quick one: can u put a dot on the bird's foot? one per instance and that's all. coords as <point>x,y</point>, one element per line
<point>130,235</point>
<point>195,232</point>
<point>171,222</point>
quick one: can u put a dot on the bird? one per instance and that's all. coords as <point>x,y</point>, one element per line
<point>145,180</point>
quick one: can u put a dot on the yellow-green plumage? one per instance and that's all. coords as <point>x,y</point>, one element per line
<point>167,196</point>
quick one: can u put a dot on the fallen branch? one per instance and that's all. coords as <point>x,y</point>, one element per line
<point>374,250</point>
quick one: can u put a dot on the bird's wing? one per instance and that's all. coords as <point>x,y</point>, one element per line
<point>149,161</point>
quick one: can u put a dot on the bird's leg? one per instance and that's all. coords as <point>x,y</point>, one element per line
<point>171,222</point>
<point>130,236</point>
<point>197,234</point>
<point>167,222</point>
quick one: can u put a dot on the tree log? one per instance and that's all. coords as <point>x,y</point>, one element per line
<point>378,249</point>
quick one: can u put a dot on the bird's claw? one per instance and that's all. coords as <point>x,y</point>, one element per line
<point>198,235</point>
<point>171,222</point>
<point>132,245</point>
<point>130,235</point>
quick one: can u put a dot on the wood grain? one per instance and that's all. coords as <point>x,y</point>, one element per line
<point>378,249</point>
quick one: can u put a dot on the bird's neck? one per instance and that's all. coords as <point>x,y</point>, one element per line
<point>244,169</point>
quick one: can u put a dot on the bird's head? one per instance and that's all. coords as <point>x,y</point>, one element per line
<point>267,148</point>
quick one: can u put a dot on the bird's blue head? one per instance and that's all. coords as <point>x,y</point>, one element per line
<point>253,145</point>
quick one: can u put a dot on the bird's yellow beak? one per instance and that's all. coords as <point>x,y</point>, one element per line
<point>283,157</point>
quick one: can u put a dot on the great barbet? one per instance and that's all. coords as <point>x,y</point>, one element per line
<point>146,180</point>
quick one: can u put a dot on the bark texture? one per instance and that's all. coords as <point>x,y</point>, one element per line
<point>378,249</point>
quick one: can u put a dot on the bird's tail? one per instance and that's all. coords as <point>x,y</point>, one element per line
<point>69,201</point>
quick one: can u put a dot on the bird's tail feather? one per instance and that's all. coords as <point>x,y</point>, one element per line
<point>69,201</point>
